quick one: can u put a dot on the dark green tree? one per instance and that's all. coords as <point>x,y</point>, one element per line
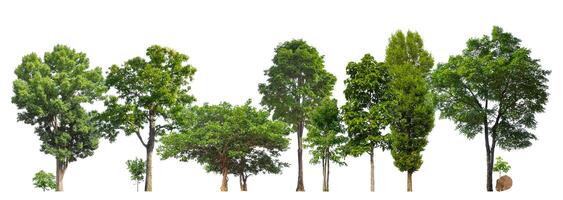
<point>228,139</point>
<point>326,137</point>
<point>366,112</point>
<point>413,108</point>
<point>493,87</point>
<point>44,181</point>
<point>50,94</point>
<point>149,92</point>
<point>297,82</point>
<point>137,170</point>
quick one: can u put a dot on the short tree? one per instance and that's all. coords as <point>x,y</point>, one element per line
<point>51,94</point>
<point>44,181</point>
<point>326,137</point>
<point>137,170</point>
<point>228,139</point>
<point>501,166</point>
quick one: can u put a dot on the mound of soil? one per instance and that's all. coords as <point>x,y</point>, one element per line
<point>504,183</point>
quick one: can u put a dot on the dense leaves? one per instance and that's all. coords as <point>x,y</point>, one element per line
<point>240,140</point>
<point>501,166</point>
<point>136,168</point>
<point>44,181</point>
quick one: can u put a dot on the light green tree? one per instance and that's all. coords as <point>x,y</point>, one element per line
<point>297,82</point>
<point>501,166</point>
<point>136,168</point>
<point>44,181</point>
<point>493,87</point>
<point>51,94</point>
<point>326,137</point>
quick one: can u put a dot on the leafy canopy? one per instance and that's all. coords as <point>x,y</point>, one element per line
<point>366,112</point>
<point>241,138</point>
<point>50,94</point>
<point>501,166</point>
<point>136,168</point>
<point>495,83</point>
<point>297,82</point>
<point>44,181</point>
<point>325,137</point>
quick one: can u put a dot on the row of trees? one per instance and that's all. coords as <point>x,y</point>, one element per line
<point>493,87</point>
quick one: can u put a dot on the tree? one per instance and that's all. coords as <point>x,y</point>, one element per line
<point>137,170</point>
<point>366,112</point>
<point>493,87</point>
<point>228,139</point>
<point>44,181</point>
<point>297,82</point>
<point>325,137</point>
<point>413,108</point>
<point>501,166</point>
<point>50,94</point>
<point>147,91</point>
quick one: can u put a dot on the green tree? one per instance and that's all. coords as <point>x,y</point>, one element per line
<point>501,166</point>
<point>228,139</point>
<point>137,170</point>
<point>366,112</point>
<point>413,108</point>
<point>325,137</point>
<point>493,87</point>
<point>148,93</point>
<point>44,181</point>
<point>50,94</point>
<point>297,82</point>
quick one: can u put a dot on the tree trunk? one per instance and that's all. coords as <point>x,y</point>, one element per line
<point>225,179</point>
<point>242,183</point>
<point>327,174</point>
<point>409,181</point>
<point>150,149</point>
<point>372,171</point>
<point>61,168</point>
<point>489,159</point>
<point>323,161</point>
<point>300,184</point>
<point>137,186</point>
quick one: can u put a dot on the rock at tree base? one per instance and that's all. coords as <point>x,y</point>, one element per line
<point>504,183</point>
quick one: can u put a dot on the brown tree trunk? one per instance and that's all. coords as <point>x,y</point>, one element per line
<point>323,161</point>
<point>489,159</point>
<point>372,171</point>
<point>242,183</point>
<point>61,168</point>
<point>225,179</point>
<point>150,149</point>
<point>409,181</point>
<point>300,184</point>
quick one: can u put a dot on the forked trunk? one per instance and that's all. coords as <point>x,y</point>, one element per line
<point>300,185</point>
<point>61,168</point>
<point>242,183</point>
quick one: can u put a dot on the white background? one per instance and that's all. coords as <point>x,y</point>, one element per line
<point>231,43</point>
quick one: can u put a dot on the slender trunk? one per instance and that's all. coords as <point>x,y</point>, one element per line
<point>137,186</point>
<point>327,174</point>
<point>372,171</point>
<point>225,179</point>
<point>409,181</point>
<point>489,163</point>
<point>150,149</point>
<point>323,161</point>
<point>300,184</point>
<point>61,168</point>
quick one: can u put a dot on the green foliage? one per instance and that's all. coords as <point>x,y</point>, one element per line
<point>44,181</point>
<point>146,90</point>
<point>493,85</point>
<point>136,169</point>
<point>413,108</point>
<point>51,93</point>
<point>239,138</point>
<point>297,82</point>
<point>325,137</point>
<point>501,166</point>
<point>366,112</point>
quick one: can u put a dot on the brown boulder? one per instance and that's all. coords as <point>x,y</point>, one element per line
<point>504,183</point>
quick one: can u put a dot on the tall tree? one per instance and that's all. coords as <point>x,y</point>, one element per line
<point>325,137</point>
<point>297,82</point>
<point>228,139</point>
<point>137,170</point>
<point>148,93</point>
<point>50,94</point>
<point>493,87</point>
<point>366,112</point>
<point>413,108</point>
<point>45,181</point>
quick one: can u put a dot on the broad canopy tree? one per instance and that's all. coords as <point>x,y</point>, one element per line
<point>227,139</point>
<point>325,137</point>
<point>366,112</point>
<point>413,106</point>
<point>149,92</point>
<point>493,87</point>
<point>297,82</point>
<point>50,94</point>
